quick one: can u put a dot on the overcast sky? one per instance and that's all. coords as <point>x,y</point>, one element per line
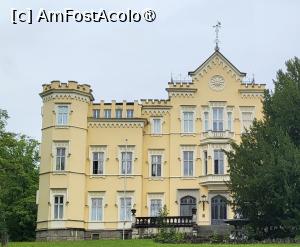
<point>134,60</point>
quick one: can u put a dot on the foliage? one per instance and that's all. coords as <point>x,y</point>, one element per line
<point>18,183</point>
<point>167,234</point>
<point>265,167</point>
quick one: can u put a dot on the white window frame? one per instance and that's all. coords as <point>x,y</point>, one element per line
<point>129,149</point>
<point>206,121</point>
<point>96,113</point>
<point>246,109</point>
<point>100,209</point>
<point>154,196</point>
<point>106,115</point>
<point>150,154</point>
<point>185,110</point>
<point>131,114</point>
<point>53,194</point>
<point>60,144</point>
<point>158,211</point>
<point>117,111</point>
<point>191,149</point>
<point>153,130</point>
<point>229,120</point>
<point>218,150</point>
<point>100,149</point>
<point>58,114</point>
<point>120,207</point>
<point>205,162</point>
<point>218,120</point>
<point>100,195</point>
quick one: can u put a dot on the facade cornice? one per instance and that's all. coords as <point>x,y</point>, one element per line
<point>117,122</point>
<point>65,95</point>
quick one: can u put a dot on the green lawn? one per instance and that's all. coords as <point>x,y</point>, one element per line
<point>129,243</point>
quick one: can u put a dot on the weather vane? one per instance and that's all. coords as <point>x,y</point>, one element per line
<point>217,29</point>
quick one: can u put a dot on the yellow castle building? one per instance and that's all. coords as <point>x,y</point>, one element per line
<point>100,160</point>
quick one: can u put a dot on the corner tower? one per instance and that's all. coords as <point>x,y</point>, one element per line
<point>61,194</point>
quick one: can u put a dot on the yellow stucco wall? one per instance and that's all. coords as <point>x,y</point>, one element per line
<point>83,132</point>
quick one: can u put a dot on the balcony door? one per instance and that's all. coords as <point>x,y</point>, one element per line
<point>218,210</point>
<point>187,203</point>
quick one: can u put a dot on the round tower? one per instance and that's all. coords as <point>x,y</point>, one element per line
<point>61,196</point>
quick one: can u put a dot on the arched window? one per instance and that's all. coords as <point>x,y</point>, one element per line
<point>187,203</point>
<point>218,210</point>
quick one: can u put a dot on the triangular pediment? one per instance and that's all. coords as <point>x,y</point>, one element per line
<point>217,58</point>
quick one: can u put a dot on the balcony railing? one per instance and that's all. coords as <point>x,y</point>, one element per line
<point>169,221</point>
<point>214,179</point>
<point>218,134</point>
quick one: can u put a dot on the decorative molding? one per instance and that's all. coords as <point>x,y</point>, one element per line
<point>155,111</point>
<point>217,83</point>
<point>106,124</point>
<point>66,96</point>
<point>217,59</point>
<point>181,94</point>
<point>252,95</point>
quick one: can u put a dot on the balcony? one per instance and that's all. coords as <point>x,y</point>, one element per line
<point>214,181</point>
<point>169,221</point>
<point>217,134</point>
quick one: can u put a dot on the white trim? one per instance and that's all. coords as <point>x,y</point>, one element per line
<point>155,152</point>
<point>60,144</point>
<point>92,224</point>
<point>97,148</point>
<point>58,192</point>
<point>152,125</point>
<point>155,196</point>
<point>246,109</point>
<point>129,194</point>
<point>188,109</point>
<point>188,148</point>
<point>56,114</point>
<point>128,149</point>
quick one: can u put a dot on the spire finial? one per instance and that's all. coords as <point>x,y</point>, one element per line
<point>217,29</point>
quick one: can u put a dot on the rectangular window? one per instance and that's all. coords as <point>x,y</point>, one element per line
<point>60,159</point>
<point>205,162</point>
<point>156,129</point>
<point>156,165</point>
<point>247,119</point>
<point>129,113</point>
<point>62,114</point>
<point>125,209</point>
<point>229,121</point>
<point>155,207</point>
<point>219,161</point>
<point>98,160</point>
<point>126,162</point>
<point>188,163</point>
<point>218,119</point>
<point>107,113</point>
<point>97,207</point>
<point>118,113</point>
<point>58,207</point>
<point>206,121</point>
<point>188,122</point>
<point>96,113</point>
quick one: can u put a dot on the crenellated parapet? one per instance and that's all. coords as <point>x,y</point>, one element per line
<point>252,90</point>
<point>70,90</point>
<point>155,107</point>
<point>181,89</point>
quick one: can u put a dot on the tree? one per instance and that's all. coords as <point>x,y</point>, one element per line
<point>265,167</point>
<point>18,183</point>
<point>283,106</point>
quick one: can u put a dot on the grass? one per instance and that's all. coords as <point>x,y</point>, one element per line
<point>131,243</point>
